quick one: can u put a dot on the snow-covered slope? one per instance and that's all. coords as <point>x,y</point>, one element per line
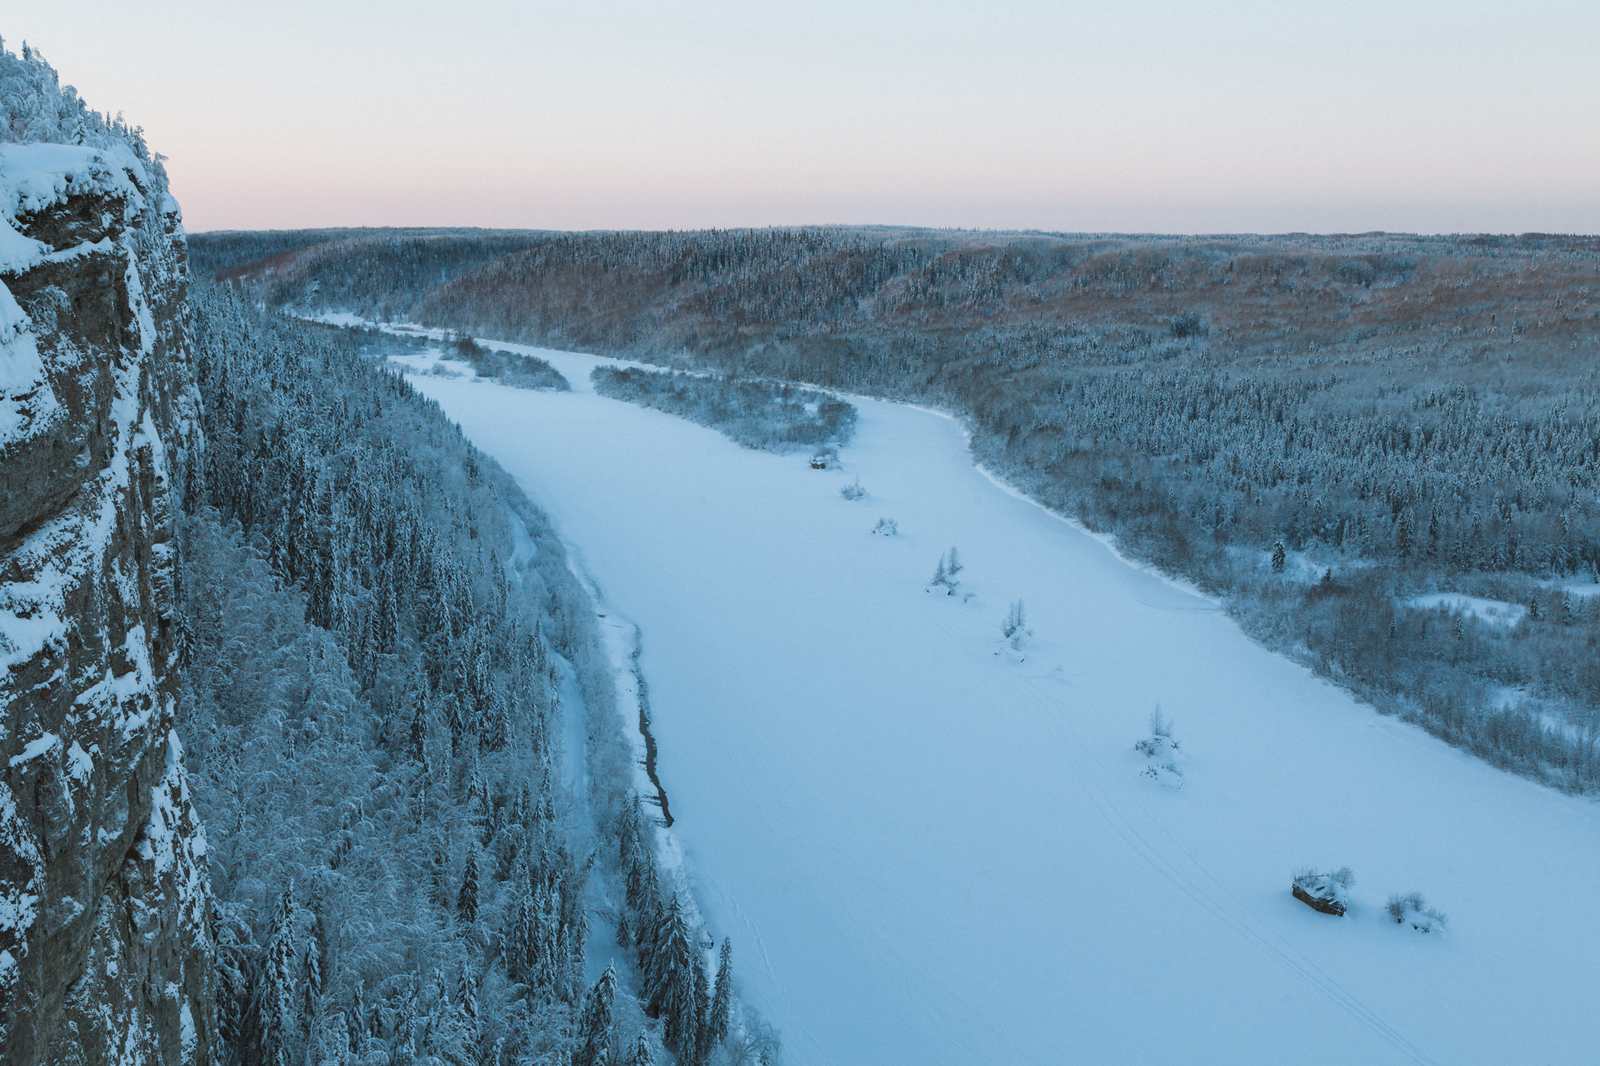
<point>935,848</point>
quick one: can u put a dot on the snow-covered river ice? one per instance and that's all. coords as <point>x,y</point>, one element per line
<point>930,848</point>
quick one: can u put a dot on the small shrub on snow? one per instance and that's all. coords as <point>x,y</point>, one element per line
<point>1013,621</point>
<point>1161,752</point>
<point>854,491</point>
<point>1166,773</point>
<point>1411,909</point>
<point>888,527</point>
<point>1159,743</point>
<point>1327,892</point>
<point>945,576</point>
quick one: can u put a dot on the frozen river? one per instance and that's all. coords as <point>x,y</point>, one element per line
<point>930,848</point>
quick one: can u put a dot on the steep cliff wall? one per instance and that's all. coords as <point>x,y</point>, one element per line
<point>104,950</point>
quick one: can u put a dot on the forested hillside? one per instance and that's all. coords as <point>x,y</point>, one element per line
<point>377,286</point>
<point>379,627</point>
<point>1322,429</point>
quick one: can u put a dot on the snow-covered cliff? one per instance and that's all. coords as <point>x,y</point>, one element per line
<point>104,949</point>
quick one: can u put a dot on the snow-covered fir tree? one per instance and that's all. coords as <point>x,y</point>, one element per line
<point>595,1023</point>
<point>671,973</point>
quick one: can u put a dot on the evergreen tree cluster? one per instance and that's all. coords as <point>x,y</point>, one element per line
<point>656,923</point>
<point>35,108</point>
<point>375,620</point>
<point>508,368</point>
<point>771,415</point>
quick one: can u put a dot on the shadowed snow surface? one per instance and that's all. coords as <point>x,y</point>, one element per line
<point>930,848</point>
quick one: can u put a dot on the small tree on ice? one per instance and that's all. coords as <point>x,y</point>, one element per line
<point>1161,752</point>
<point>945,576</point>
<point>1159,743</point>
<point>1015,620</point>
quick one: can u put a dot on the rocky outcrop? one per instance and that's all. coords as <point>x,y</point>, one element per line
<point>104,950</point>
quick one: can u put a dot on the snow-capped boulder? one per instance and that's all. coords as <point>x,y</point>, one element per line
<point>1325,892</point>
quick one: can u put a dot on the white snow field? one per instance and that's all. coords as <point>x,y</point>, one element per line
<point>929,848</point>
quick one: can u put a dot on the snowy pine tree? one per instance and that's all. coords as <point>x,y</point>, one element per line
<point>670,981</point>
<point>467,992</point>
<point>719,1017</point>
<point>456,721</point>
<point>624,934</point>
<point>467,896</point>
<point>439,873</point>
<point>522,938</point>
<point>594,1024</point>
<point>497,725</point>
<point>702,1009</point>
<point>417,735</point>
<point>315,962</point>
<point>280,998</point>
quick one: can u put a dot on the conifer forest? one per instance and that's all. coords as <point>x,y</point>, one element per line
<point>379,627</point>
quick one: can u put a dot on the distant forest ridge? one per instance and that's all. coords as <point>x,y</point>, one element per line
<point>1058,274</point>
<point>1325,430</point>
<point>222,249</point>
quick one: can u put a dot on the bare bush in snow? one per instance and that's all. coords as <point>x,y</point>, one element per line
<point>1411,909</point>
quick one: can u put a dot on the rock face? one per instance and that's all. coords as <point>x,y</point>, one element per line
<point>104,950</point>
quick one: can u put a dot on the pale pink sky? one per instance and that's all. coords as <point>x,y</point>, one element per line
<point>1152,115</point>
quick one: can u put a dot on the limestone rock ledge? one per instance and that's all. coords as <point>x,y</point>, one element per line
<point>105,954</point>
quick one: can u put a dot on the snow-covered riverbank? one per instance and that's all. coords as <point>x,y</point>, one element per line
<point>930,847</point>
